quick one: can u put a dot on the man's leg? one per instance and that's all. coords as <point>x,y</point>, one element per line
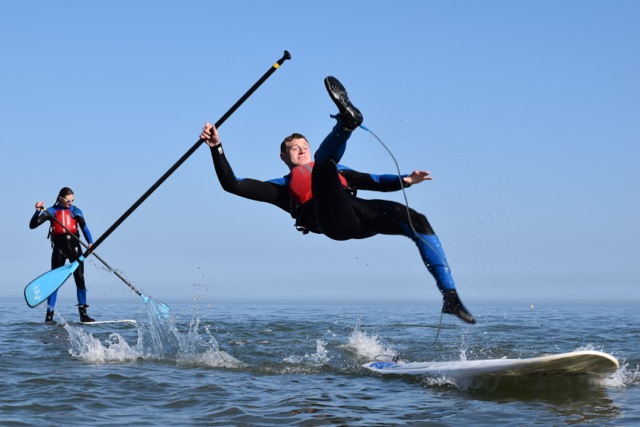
<point>435,260</point>
<point>391,218</point>
<point>334,145</point>
<point>333,209</point>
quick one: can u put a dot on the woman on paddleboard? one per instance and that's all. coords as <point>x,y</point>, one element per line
<point>321,195</point>
<point>66,221</point>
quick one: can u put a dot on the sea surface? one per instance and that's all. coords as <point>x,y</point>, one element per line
<point>300,365</point>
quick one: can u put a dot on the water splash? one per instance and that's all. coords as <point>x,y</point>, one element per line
<point>319,358</point>
<point>625,376</point>
<point>368,347</point>
<point>90,349</point>
<point>159,339</point>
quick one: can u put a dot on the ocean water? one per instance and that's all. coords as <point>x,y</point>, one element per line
<point>300,365</point>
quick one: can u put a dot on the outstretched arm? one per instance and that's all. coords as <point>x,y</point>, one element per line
<point>225,174</point>
<point>269,192</point>
<point>384,183</point>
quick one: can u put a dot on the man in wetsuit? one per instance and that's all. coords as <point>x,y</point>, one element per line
<point>65,246</point>
<point>320,194</point>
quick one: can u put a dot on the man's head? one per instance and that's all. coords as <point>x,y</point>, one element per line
<point>295,151</point>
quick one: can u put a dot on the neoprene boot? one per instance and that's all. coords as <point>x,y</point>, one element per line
<point>49,317</point>
<point>350,116</point>
<point>453,305</point>
<point>84,317</point>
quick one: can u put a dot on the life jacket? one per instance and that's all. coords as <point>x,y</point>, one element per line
<point>300,183</point>
<point>64,216</point>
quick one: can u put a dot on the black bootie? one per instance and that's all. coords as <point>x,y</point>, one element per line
<point>350,116</point>
<point>84,317</point>
<point>453,305</point>
<point>49,317</point>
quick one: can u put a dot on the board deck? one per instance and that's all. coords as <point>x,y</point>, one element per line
<point>103,322</point>
<point>573,363</point>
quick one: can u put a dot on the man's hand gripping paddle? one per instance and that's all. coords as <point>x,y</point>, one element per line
<point>43,286</point>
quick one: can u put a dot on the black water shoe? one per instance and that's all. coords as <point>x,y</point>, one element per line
<point>84,317</point>
<point>453,305</point>
<point>349,115</point>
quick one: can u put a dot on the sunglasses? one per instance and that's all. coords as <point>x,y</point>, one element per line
<point>68,201</point>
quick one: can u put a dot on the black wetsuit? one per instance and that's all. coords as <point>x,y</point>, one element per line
<point>325,212</point>
<point>334,210</point>
<point>65,247</point>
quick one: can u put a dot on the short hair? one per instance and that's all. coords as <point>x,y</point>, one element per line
<point>283,146</point>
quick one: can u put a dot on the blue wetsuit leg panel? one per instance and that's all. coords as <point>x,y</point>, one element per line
<point>434,258</point>
<point>51,301</point>
<point>82,296</point>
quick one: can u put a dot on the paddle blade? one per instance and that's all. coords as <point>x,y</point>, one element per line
<point>164,309</point>
<point>42,287</point>
<point>160,308</point>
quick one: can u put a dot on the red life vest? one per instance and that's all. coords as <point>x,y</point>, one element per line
<point>300,184</point>
<point>64,216</point>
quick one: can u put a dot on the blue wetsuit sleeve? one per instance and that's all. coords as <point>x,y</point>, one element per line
<point>79,217</point>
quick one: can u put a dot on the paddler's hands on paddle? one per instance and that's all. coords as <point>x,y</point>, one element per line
<point>210,135</point>
<point>40,207</point>
<point>417,177</point>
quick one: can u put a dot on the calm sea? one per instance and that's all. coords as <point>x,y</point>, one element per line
<point>274,365</point>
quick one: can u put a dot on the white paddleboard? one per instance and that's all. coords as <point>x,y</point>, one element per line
<point>574,363</point>
<point>103,322</point>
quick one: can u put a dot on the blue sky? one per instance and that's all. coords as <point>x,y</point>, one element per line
<point>527,114</point>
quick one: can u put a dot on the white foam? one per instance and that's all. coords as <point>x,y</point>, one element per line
<point>319,358</point>
<point>160,339</point>
<point>90,349</point>
<point>367,347</point>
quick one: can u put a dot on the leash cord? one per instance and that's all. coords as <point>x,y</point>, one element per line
<point>406,204</point>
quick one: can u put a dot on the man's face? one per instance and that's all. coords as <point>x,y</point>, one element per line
<point>297,153</point>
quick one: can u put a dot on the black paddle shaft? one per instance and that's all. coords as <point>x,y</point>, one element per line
<point>186,155</point>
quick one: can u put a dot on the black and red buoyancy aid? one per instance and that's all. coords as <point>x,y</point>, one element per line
<point>300,184</point>
<point>65,217</point>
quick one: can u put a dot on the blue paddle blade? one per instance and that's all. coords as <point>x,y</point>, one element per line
<point>42,287</point>
<point>162,309</point>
